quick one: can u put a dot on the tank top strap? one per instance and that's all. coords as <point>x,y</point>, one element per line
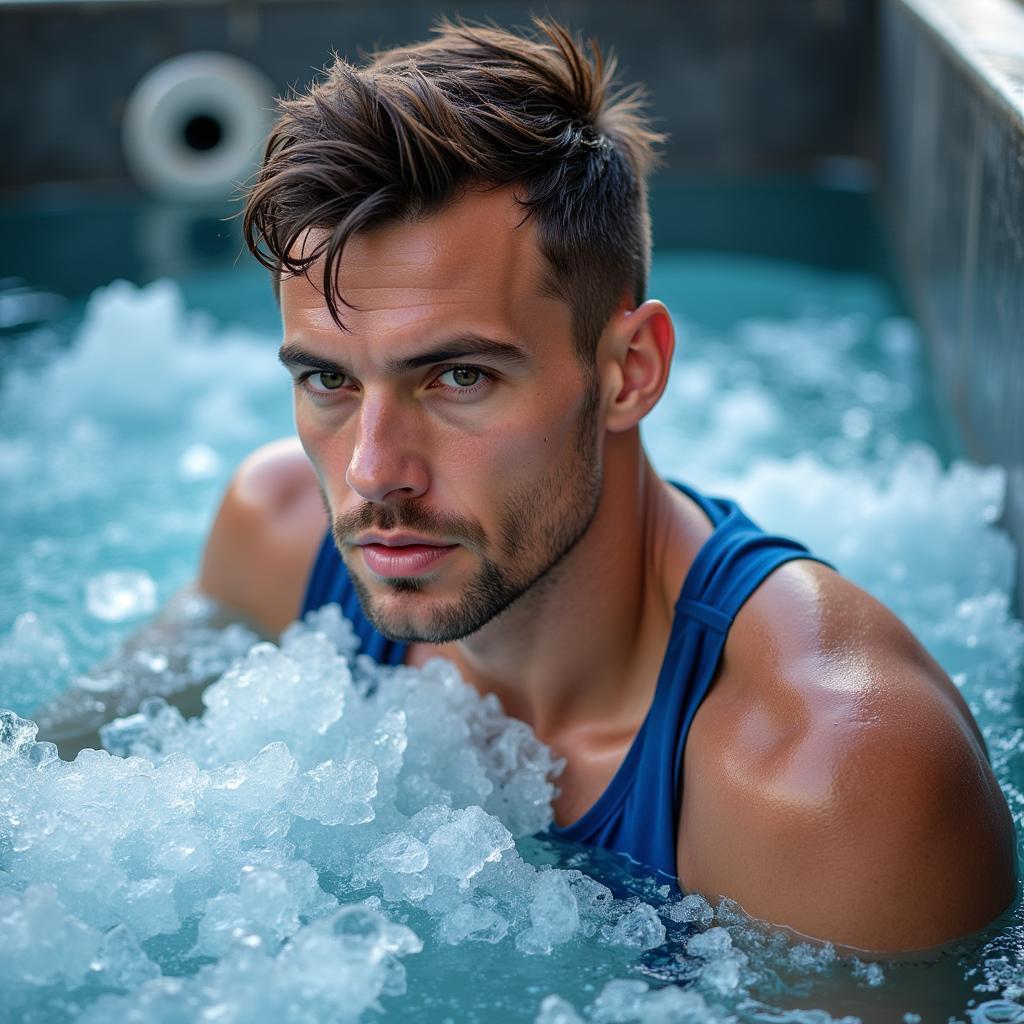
<point>731,565</point>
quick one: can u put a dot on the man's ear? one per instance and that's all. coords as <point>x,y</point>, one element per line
<point>638,354</point>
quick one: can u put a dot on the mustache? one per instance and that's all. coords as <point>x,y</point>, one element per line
<point>407,516</point>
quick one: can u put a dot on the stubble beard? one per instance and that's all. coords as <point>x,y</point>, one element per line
<point>573,499</point>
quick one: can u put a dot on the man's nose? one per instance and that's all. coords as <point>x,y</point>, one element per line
<point>385,463</point>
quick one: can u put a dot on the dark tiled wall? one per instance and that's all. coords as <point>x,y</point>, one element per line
<point>953,174</point>
<point>741,85</point>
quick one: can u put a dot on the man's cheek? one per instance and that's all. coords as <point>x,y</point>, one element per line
<point>328,453</point>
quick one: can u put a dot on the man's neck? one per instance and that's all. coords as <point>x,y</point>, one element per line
<point>581,651</point>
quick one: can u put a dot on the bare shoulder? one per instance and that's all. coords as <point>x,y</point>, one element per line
<point>265,536</point>
<point>835,781</point>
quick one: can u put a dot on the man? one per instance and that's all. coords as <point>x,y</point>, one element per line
<point>459,236</point>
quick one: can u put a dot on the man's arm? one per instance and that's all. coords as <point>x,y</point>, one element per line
<point>837,783</point>
<point>255,564</point>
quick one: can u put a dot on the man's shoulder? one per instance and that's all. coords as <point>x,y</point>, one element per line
<point>834,779</point>
<point>808,634</point>
<point>265,536</point>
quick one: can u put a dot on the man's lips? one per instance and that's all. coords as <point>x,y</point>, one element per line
<point>400,540</point>
<point>401,554</point>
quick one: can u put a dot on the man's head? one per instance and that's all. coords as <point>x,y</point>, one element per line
<point>476,204</point>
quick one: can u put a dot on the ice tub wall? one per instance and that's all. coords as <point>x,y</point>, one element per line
<point>739,85</point>
<point>953,186</point>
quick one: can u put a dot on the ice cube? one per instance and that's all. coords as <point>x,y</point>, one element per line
<point>639,928</point>
<point>555,1010</point>
<point>120,595</point>
<point>338,794</point>
<point>469,922</point>
<point>554,914</point>
<point>691,908</point>
<point>199,462</point>
<point>469,840</point>
<point>16,734</point>
<point>121,962</point>
<point>712,943</point>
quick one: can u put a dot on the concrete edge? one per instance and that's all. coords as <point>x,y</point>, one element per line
<point>966,30</point>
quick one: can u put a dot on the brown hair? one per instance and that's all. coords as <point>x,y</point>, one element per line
<point>474,105</point>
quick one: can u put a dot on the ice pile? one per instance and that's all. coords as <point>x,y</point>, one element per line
<point>833,372</point>
<point>34,661</point>
<point>281,844</point>
<point>284,856</point>
<point>188,644</point>
<point>181,365</point>
<point>113,451</point>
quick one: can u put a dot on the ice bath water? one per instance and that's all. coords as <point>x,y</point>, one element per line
<point>333,842</point>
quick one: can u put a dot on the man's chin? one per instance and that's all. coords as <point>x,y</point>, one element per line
<point>403,585</point>
<point>403,614</point>
<point>411,610</point>
<point>408,631</point>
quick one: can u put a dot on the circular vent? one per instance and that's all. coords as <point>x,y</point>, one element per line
<point>195,125</point>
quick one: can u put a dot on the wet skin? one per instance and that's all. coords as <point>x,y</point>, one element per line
<point>834,779</point>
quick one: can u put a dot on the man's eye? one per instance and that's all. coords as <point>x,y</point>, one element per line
<point>462,376</point>
<point>329,381</point>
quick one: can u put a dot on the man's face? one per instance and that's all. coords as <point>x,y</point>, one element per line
<point>453,429</point>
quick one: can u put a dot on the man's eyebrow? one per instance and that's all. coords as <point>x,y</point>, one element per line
<point>294,355</point>
<point>461,347</point>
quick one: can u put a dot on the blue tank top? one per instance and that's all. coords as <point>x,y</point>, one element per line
<point>638,813</point>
